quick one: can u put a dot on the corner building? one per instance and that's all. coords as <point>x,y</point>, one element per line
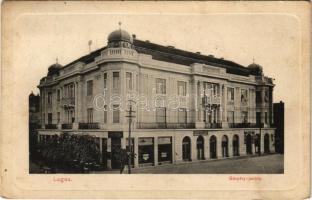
<point>224,109</point>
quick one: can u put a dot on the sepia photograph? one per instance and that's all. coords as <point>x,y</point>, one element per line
<point>184,111</point>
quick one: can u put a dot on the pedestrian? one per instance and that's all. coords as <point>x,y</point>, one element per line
<point>122,160</point>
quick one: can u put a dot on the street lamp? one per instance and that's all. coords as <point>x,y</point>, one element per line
<point>130,116</point>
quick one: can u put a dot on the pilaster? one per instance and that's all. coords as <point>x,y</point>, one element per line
<point>109,153</point>
<point>155,151</point>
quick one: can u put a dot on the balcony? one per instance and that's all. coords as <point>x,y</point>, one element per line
<point>68,102</point>
<point>50,126</point>
<point>89,126</point>
<point>245,125</point>
<point>213,125</point>
<point>142,125</point>
<point>67,126</point>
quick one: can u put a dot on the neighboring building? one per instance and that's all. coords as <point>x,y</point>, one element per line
<point>34,121</point>
<point>278,113</point>
<point>222,104</point>
<point>34,112</point>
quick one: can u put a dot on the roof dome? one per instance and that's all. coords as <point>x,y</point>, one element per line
<point>55,66</point>
<point>53,69</point>
<point>119,35</point>
<point>256,69</point>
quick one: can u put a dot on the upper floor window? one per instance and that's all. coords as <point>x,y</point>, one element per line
<point>244,116</point>
<point>58,96</point>
<point>258,97</point>
<point>58,117</point>
<point>71,91</point>
<point>49,97</point>
<point>182,88</point>
<point>160,115</point>
<point>182,116</point>
<point>230,94</point>
<point>230,116</point>
<point>49,118</point>
<point>90,115</point>
<point>244,97</point>
<point>160,86</point>
<point>144,84</point>
<point>105,114</point>
<point>128,81</point>
<point>266,117</point>
<point>89,88</point>
<point>105,80</point>
<point>116,114</point>
<point>266,96</point>
<point>116,81</point>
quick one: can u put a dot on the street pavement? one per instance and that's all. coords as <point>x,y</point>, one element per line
<point>265,164</point>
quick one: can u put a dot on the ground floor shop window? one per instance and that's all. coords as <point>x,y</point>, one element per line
<point>164,150</point>
<point>186,149</point>
<point>146,151</point>
<point>213,147</point>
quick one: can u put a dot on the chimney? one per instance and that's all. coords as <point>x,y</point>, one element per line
<point>133,36</point>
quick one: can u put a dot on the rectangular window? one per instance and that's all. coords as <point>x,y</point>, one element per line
<point>266,96</point>
<point>258,118</point>
<point>58,117</point>
<point>182,88</point>
<point>266,117</point>
<point>244,116</point>
<point>129,81</point>
<point>230,116</point>
<point>49,118</point>
<point>105,80</point>
<point>160,115</point>
<point>116,82</point>
<point>145,84</point>
<point>105,114</point>
<point>90,115</point>
<point>182,116</point>
<point>116,114</point>
<point>160,86</point>
<point>71,91</point>
<point>230,94</point>
<point>58,95</point>
<point>244,97</point>
<point>49,97</point>
<point>89,88</point>
<point>258,97</point>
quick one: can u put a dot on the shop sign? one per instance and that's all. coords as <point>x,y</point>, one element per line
<point>200,132</point>
<point>145,156</point>
<point>145,141</point>
<point>164,140</point>
<point>164,154</point>
<point>115,134</point>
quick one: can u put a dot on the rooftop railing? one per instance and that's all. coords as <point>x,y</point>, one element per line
<point>89,126</point>
<point>245,125</point>
<point>50,126</point>
<point>165,125</point>
<point>67,126</point>
<point>213,125</point>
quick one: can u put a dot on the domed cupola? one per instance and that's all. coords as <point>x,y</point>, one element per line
<point>120,38</point>
<point>255,69</point>
<point>54,69</point>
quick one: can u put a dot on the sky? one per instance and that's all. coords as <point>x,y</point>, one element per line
<point>269,40</point>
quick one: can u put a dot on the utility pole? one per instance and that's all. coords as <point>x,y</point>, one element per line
<point>260,139</point>
<point>130,116</point>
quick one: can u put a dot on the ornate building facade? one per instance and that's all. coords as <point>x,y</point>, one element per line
<point>188,106</point>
